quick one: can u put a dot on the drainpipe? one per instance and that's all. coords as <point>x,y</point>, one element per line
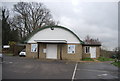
<point>38,50</point>
<point>60,52</point>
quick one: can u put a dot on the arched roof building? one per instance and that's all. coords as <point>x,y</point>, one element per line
<point>57,42</point>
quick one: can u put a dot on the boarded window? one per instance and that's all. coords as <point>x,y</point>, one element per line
<point>33,47</point>
<point>71,49</point>
<point>87,49</point>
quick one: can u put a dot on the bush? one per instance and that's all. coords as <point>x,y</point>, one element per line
<point>104,59</point>
<point>114,56</point>
<point>87,59</point>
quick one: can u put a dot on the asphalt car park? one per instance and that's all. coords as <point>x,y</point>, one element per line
<point>15,67</point>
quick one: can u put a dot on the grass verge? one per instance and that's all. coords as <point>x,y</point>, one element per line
<point>87,59</point>
<point>105,59</point>
<point>116,64</point>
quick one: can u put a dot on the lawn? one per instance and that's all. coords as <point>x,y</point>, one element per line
<point>87,59</point>
<point>105,59</point>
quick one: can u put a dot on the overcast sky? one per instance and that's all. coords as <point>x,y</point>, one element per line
<point>95,18</point>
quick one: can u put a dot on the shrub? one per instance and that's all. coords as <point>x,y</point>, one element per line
<point>104,59</point>
<point>116,64</point>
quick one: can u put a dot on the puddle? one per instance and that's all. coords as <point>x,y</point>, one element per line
<point>103,75</point>
<point>10,62</point>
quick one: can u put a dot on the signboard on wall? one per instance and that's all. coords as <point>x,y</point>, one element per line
<point>71,48</point>
<point>34,47</point>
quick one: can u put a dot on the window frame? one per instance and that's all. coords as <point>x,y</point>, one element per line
<point>71,50</point>
<point>35,46</point>
<point>87,49</point>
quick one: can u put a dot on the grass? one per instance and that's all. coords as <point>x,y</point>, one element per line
<point>105,59</point>
<point>87,59</point>
<point>116,64</point>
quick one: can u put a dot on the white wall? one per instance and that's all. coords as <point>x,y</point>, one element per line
<point>56,34</point>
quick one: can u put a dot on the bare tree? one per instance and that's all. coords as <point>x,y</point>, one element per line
<point>89,40</point>
<point>16,23</point>
<point>30,16</point>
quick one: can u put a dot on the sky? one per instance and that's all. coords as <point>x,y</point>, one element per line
<point>96,18</point>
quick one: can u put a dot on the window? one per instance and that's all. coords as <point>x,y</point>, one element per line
<point>87,49</point>
<point>71,49</point>
<point>33,47</point>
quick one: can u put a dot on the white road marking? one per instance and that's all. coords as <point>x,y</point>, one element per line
<point>74,71</point>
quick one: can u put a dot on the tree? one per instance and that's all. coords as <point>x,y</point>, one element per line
<point>8,34</point>
<point>30,16</point>
<point>16,24</point>
<point>116,55</point>
<point>5,26</point>
<point>14,35</point>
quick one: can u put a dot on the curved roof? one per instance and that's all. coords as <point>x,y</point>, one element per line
<point>40,29</point>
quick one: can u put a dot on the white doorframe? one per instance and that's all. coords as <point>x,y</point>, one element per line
<point>93,52</point>
<point>51,51</point>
